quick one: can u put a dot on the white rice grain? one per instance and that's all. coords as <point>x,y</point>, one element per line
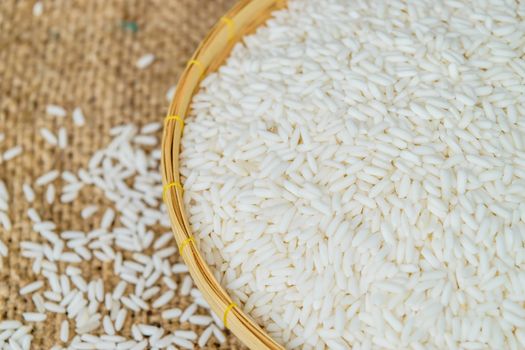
<point>12,153</point>
<point>200,320</point>
<point>145,61</point>
<point>62,138</point>
<point>31,287</point>
<point>3,249</point>
<point>78,117</point>
<point>107,219</point>
<point>28,192</point>
<point>183,343</point>
<point>151,128</point>
<point>171,92</point>
<point>205,337</point>
<point>187,284</point>
<point>50,194</point>
<point>171,313</point>
<point>55,111</point>
<point>10,324</point>
<point>48,136</point>
<point>33,215</point>
<point>34,317</point>
<point>47,178</point>
<point>64,331</point>
<point>5,221</point>
<point>218,334</point>
<point>188,312</point>
<point>108,326</point>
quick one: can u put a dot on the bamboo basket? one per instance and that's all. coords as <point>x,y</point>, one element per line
<point>244,18</point>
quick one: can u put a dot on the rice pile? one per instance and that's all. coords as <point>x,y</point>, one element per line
<point>355,174</point>
<point>130,235</point>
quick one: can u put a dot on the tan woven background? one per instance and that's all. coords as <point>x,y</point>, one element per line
<point>80,53</point>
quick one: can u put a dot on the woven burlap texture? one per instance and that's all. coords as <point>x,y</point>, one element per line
<point>83,53</point>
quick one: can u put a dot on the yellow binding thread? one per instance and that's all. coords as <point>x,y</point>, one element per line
<point>231,27</point>
<point>176,118</point>
<point>225,317</point>
<point>170,185</point>
<point>185,243</point>
<point>198,64</point>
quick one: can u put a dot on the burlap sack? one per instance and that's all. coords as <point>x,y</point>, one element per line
<point>83,53</point>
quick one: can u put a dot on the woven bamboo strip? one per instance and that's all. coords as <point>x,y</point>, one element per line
<point>244,18</point>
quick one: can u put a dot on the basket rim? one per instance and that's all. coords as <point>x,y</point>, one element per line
<point>243,18</point>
